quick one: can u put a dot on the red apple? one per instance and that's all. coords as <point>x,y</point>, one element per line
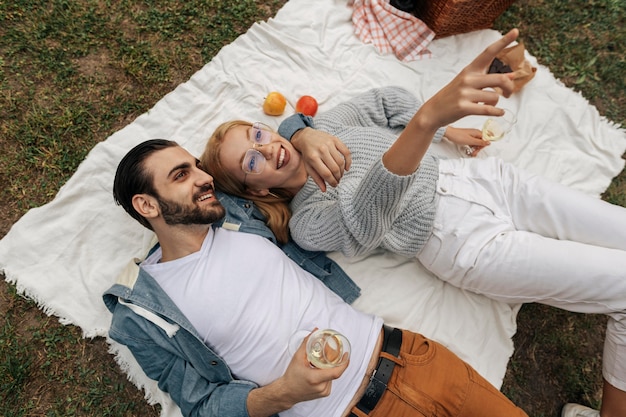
<point>306,105</point>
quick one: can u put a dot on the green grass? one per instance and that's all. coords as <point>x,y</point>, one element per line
<point>582,42</point>
<point>72,73</point>
<point>16,368</point>
<point>49,369</point>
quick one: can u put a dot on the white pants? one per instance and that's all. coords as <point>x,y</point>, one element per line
<point>518,238</point>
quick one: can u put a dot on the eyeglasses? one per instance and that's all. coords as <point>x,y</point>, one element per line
<point>254,161</point>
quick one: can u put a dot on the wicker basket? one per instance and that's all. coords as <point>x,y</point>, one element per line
<point>451,17</point>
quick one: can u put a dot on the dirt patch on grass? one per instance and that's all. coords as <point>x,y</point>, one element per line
<point>557,359</point>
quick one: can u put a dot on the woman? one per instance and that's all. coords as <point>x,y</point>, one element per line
<point>479,224</point>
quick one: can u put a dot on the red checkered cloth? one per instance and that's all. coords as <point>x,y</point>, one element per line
<point>391,30</point>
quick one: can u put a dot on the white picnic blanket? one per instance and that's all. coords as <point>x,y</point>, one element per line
<point>66,253</point>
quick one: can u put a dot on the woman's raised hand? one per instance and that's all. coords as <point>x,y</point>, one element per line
<point>471,92</point>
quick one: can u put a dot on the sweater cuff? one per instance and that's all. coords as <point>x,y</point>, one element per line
<point>438,135</point>
<point>293,124</point>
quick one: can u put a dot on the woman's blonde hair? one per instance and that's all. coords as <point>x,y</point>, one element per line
<point>275,206</point>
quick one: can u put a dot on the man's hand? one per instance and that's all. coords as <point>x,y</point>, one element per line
<point>325,156</point>
<point>300,382</point>
<point>306,381</point>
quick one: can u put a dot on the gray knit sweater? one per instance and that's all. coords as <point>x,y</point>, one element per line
<point>371,207</point>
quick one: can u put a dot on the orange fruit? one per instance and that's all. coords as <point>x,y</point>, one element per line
<point>274,104</point>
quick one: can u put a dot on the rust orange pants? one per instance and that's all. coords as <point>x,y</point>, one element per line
<point>429,380</point>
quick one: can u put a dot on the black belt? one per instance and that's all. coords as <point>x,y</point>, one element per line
<point>392,339</point>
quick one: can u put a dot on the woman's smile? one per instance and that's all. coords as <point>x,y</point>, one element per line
<point>283,157</point>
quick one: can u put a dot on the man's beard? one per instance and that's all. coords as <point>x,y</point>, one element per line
<point>175,213</point>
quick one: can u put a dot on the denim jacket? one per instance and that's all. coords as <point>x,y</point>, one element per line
<point>169,349</point>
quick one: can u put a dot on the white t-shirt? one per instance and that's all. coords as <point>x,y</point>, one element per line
<point>253,306</point>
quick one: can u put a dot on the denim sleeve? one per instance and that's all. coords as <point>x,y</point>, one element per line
<point>163,359</point>
<point>293,123</point>
<point>197,396</point>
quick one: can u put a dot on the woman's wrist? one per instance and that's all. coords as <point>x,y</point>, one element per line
<point>423,125</point>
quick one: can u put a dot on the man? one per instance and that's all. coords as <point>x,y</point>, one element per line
<point>220,318</point>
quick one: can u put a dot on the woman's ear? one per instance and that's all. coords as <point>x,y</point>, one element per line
<point>146,205</point>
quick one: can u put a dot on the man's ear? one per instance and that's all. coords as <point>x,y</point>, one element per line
<point>259,193</point>
<point>146,205</point>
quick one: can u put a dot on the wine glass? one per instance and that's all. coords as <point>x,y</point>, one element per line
<point>495,127</point>
<point>327,348</point>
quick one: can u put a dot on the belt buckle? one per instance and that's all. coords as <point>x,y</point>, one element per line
<point>378,383</point>
<point>373,374</point>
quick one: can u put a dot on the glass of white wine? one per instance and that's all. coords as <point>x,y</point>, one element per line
<point>495,128</point>
<point>327,348</point>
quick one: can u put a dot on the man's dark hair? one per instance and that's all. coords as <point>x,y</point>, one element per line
<point>131,177</point>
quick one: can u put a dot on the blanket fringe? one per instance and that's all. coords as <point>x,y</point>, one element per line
<point>26,294</point>
<point>132,371</point>
<point>29,295</point>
